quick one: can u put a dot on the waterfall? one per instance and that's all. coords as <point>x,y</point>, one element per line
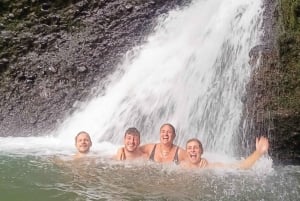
<point>191,72</point>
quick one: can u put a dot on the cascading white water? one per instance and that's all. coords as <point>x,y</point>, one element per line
<point>192,73</point>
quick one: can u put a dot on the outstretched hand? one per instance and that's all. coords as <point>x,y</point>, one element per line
<point>203,163</point>
<point>262,145</point>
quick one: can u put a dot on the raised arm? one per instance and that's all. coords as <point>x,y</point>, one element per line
<point>262,146</point>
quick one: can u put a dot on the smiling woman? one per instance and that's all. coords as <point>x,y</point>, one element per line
<point>195,150</point>
<point>166,151</point>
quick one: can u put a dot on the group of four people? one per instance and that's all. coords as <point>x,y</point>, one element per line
<point>166,151</point>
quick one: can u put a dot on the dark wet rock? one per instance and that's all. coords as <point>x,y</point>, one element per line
<point>3,64</point>
<point>82,69</point>
<point>45,6</point>
<point>272,105</point>
<point>53,53</point>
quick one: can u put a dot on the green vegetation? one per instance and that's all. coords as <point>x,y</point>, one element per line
<point>288,99</point>
<point>290,15</point>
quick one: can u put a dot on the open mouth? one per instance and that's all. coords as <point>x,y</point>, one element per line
<point>193,156</point>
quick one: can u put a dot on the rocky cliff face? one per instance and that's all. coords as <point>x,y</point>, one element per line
<point>54,52</point>
<point>273,102</point>
<point>284,103</point>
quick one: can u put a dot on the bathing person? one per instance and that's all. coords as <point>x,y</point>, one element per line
<point>131,149</point>
<point>83,144</point>
<point>166,151</point>
<point>195,150</point>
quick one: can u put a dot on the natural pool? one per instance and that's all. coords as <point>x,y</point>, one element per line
<point>36,177</point>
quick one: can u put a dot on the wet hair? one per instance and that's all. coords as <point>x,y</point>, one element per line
<point>82,132</point>
<point>132,131</point>
<point>195,140</point>
<point>170,125</point>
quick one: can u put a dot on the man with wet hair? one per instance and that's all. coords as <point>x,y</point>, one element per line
<point>131,149</point>
<point>83,144</point>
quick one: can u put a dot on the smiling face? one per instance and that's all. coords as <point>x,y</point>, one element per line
<point>131,142</point>
<point>167,134</point>
<point>83,142</point>
<point>194,151</point>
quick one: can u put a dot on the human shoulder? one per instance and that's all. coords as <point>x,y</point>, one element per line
<point>147,148</point>
<point>120,154</point>
<point>181,153</point>
<point>120,150</point>
<point>180,149</point>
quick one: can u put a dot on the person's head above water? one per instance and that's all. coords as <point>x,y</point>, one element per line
<point>194,150</point>
<point>131,149</point>
<point>131,139</point>
<point>83,142</point>
<point>167,133</point>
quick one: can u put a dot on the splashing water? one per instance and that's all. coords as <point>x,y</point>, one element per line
<point>192,73</point>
